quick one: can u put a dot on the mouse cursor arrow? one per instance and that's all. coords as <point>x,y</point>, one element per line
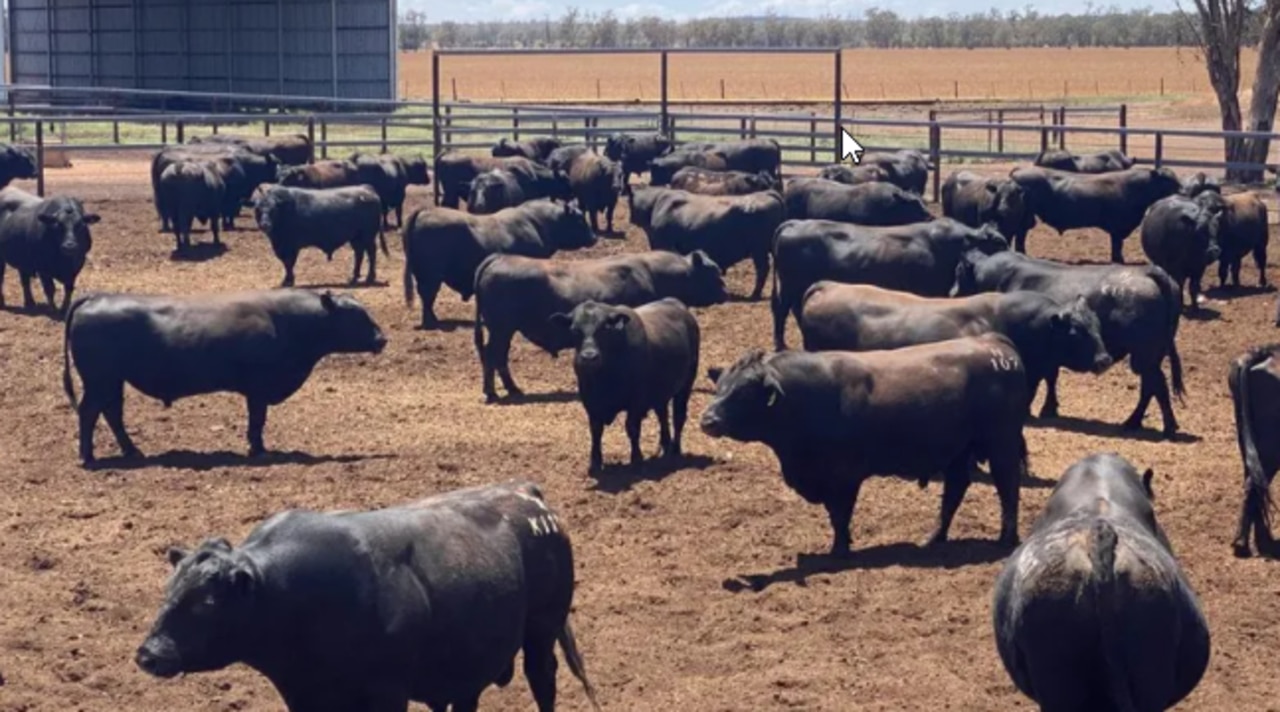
<point>849,147</point>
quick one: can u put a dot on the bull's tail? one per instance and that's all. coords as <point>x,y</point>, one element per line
<point>69,386</point>
<point>1238,379</point>
<point>408,259</point>
<point>569,645</point>
<point>1102,554</point>
<point>479,326</point>
<point>1173,303</point>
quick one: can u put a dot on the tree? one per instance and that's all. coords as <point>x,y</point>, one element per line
<point>569,28</point>
<point>413,30</point>
<point>884,28</point>
<point>1221,29</point>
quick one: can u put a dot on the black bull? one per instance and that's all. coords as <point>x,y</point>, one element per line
<point>429,602</point>
<point>835,418</point>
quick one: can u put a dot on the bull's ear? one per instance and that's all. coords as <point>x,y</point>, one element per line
<point>992,187</point>
<point>92,219</point>
<point>243,580</point>
<point>561,321</point>
<point>175,555</point>
<point>774,390</point>
<point>1056,320</point>
<point>618,320</point>
<point>47,219</point>
<point>714,374</point>
<point>1146,482</point>
<point>326,301</point>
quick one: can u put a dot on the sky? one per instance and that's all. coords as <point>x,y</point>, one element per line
<point>478,10</point>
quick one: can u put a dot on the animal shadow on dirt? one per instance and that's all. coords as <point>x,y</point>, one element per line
<point>448,325</point>
<point>950,555</point>
<point>619,477</point>
<point>1201,313</point>
<point>745,299</point>
<point>199,252</point>
<point>1241,292</point>
<point>1097,428</point>
<point>203,461</point>
<point>538,398</point>
<point>48,311</point>
<point>377,283</point>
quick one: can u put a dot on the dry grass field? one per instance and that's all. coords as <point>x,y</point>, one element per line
<point>1039,75</point>
<point>690,592</point>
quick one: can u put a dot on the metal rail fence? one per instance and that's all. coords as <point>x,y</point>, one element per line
<point>807,139</point>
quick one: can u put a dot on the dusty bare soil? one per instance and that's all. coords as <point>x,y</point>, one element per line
<point>690,593</point>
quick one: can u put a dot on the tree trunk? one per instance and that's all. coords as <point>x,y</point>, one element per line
<point>1266,88</point>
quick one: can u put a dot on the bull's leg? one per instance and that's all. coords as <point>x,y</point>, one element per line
<point>595,221</point>
<point>114,411</point>
<point>597,451</point>
<point>1008,465</point>
<point>1117,249</point>
<point>1134,421</point>
<point>1224,271</point>
<point>46,284</point>
<point>1050,407</point>
<point>67,290</point>
<point>839,507</point>
<point>1160,387</point>
<point>608,217</point>
<point>1235,272</point>
<point>540,670</point>
<point>761,262</point>
<point>634,420</point>
<point>3,268</point>
<point>217,230</point>
<point>954,485</point>
<point>1193,288</point>
<point>680,413</point>
<point>288,259</point>
<point>779,306</point>
<point>664,429</point>
<point>372,277</point>
<point>359,261</point>
<point>1260,261</point>
<point>499,356</point>
<point>257,422</point>
<point>1020,242</point>
<point>428,289</point>
<point>400,214</point>
<point>89,410</point>
<point>28,301</point>
<point>1250,511</point>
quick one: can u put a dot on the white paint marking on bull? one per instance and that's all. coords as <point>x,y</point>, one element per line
<point>526,496</point>
<point>544,524</point>
<point>1001,361</point>
<point>849,147</point>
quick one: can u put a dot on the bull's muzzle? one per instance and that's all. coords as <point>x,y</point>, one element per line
<point>1102,363</point>
<point>155,658</point>
<point>712,424</point>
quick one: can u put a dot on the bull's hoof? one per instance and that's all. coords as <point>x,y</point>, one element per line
<point>429,324</point>
<point>1241,549</point>
<point>595,468</point>
<point>936,539</point>
<point>1049,412</point>
<point>1132,424</point>
<point>490,398</point>
<point>1009,541</point>
<point>840,552</point>
<point>131,453</point>
<point>257,451</point>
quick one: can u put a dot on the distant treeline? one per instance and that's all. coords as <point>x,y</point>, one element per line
<point>876,28</point>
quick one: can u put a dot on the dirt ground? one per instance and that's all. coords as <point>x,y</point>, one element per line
<point>690,594</point>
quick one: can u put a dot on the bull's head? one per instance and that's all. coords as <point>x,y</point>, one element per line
<point>1076,335</point>
<point>66,225</point>
<point>207,614</point>
<point>747,402</point>
<point>348,326</point>
<point>598,333</point>
<point>570,230</point>
<point>706,281</point>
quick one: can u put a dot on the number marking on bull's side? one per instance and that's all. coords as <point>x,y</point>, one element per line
<point>1001,361</point>
<point>543,525</point>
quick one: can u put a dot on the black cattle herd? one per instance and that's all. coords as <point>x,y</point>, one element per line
<point>910,324</point>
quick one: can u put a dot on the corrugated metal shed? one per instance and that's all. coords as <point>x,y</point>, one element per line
<point>321,48</point>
